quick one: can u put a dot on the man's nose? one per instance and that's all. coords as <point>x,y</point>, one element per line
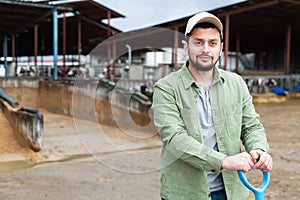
<point>205,47</point>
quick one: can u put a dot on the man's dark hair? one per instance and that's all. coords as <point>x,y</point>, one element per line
<point>205,25</point>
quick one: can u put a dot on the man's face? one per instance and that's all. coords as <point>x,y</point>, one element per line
<point>203,48</point>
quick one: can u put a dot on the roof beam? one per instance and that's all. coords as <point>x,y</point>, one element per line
<point>34,5</point>
<point>249,8</point>
<point>292,1</point>
<point>95,23</point>
<point>34,21</point>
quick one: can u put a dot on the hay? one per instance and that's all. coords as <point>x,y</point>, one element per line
<point>268,98</point>
<point>274,98</point>
<point>295,95</point>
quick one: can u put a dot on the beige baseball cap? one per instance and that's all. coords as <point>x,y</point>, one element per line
<point>203,17</point>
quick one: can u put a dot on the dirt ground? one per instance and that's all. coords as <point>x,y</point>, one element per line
<point>281,121</point>
<point>128,168</point>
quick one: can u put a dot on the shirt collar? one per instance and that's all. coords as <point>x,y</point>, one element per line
<point>188,79</point>
<point>218,76</point>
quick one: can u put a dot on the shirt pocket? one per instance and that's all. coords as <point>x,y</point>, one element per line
<point>233,120</point>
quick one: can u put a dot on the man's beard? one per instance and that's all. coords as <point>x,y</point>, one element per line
<point>200,67</point>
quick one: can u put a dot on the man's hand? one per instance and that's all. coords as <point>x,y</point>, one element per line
<point>262,160</point>
<point>242,161</point>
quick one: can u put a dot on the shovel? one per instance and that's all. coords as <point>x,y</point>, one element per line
<point>258,192</point>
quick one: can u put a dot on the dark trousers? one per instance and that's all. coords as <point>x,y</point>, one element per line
<point>218,195</point>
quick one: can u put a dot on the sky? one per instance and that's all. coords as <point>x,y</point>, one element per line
<point>144,13</point>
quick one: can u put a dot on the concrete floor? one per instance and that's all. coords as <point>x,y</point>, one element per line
<point>85,160</point>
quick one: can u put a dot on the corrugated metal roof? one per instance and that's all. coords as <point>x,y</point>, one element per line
<point>19,17</point>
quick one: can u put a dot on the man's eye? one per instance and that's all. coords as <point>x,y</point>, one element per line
<point>213,43</point>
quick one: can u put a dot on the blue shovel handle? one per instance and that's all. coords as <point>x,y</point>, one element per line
<point>258,192</point>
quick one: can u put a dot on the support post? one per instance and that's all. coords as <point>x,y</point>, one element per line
<point>287,53</point>
<point>227,22</point>
<point>114,59</point>
<point>108,45</point>
<point>5,55</point>
<point>35,48</point>
<point>175,49</point>
<point>55,42</point>
<point>108,23</point>
<point>13,54</point>
<point>237,55</point>
<point>79,42</point>
<point>64,44</point>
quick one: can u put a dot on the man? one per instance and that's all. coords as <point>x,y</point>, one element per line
<point>202,114</point>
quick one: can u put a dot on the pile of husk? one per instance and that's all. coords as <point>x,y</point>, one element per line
<point>274,98</point>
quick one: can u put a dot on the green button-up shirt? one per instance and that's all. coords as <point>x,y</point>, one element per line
<point>184,158</point>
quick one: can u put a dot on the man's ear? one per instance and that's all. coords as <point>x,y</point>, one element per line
<point>185,46</point>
